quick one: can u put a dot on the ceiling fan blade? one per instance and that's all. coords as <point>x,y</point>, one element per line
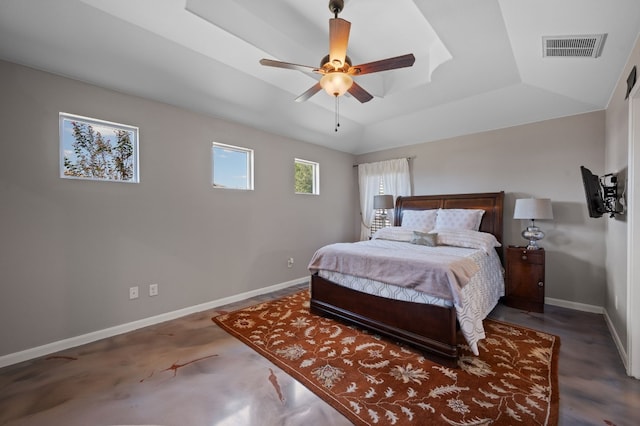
<point>287,65</point>
<point>359,93</point>
<point>338,41</point>
<point>383,65</point>
<point>309,93</point>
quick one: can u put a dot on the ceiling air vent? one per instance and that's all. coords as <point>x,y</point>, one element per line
<point>584,46</point>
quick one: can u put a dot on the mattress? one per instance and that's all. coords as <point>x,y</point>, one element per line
<point>478,297</point>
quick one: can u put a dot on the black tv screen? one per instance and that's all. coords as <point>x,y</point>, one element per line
<point>593,193</point>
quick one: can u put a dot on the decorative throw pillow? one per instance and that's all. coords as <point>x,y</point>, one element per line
<point>424,239</point>
<point>425,220</point>
<point>459,219</point>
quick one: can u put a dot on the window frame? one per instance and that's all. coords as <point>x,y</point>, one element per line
<point>103,125</point>
<point>249,165</point>
<point>315,183</point>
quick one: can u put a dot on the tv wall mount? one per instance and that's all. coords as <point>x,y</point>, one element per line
<point>602,194</point>
<point>609,183</point>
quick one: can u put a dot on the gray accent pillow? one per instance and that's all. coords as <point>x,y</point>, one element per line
<point>424,239</point>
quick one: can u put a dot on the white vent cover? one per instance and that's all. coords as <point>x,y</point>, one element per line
<point>583,46</point>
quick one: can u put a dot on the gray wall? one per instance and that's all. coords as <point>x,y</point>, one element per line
<point>534,160</point>
<point>70,249</point>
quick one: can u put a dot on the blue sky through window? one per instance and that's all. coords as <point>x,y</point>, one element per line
<point>231,167</point>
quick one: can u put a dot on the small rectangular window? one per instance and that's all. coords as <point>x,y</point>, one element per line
<point>97,150</point>
<point>307,177</point>
<point>232,167</point>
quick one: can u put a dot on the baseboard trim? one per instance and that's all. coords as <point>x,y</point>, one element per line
<point>607,319</point>
<point>616,339</point>
<point>72,342</point>
<point>574,305</point>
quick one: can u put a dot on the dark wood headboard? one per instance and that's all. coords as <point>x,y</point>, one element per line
<point>491,202</point>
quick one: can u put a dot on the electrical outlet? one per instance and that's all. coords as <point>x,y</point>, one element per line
<point>153,289</point>
<point>290,262</point>
<point>133,292</point>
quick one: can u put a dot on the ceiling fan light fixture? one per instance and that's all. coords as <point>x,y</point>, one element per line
<point>336,69</point>
<point>336,83</point>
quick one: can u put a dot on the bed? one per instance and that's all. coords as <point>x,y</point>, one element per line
<point>432,328</point>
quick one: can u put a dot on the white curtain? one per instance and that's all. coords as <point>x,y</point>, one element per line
<point>395,180</point>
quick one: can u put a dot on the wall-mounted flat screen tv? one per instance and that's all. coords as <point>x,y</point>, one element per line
<point>593,193</point>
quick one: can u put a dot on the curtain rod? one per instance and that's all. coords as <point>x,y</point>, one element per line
<point>408,158</point>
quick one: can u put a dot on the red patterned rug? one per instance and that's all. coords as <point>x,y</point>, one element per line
<point>371,380</point>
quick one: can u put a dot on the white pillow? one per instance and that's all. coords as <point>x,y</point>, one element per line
<point>468,238</point>
<point>393,233</point>
<point>421,220</point>
<point>459,219</point>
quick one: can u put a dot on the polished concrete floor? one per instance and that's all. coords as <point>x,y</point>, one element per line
<point>190,372</point>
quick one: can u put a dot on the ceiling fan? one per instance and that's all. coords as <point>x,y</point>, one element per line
<point>336,68</point>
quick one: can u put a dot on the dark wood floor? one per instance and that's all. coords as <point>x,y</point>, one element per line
<point>190,372</point>
<point>594,388</point>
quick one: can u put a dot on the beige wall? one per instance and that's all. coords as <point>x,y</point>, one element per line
<point>617,161</point>
<point>70,249</point>
<point>535,160</point>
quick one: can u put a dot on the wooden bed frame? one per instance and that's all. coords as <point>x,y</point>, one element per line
<point>430,328</point>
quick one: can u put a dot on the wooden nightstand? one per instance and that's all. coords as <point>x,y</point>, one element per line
<point>525,279</point>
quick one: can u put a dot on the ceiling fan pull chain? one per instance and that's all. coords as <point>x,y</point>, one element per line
<point>337,113</point>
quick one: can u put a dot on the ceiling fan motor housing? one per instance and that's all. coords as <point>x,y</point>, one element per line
<point>327,66</point>
<point>336,6</point>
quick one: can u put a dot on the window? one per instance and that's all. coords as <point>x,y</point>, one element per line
<point>232,167</point>
<point>307,177</point>
<point>384,177</point>
<point>97,150</point>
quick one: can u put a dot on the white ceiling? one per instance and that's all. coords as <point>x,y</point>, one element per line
<point>203,55</point>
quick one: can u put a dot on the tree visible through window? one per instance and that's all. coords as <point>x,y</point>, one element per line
<point>98,150</point>
<point>306,177</point>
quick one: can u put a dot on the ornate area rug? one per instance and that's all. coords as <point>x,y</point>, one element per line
<point>371,380</point>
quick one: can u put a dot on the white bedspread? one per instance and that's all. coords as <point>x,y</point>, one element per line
<point>476,299</point>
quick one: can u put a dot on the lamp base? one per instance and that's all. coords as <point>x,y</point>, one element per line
<point>533,234</point>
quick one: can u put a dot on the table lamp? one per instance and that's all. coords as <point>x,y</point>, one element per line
<point>532,209</point>
<point>383,202</point>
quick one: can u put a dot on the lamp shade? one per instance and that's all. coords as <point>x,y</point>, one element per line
<point>383,202</point>
<point>533,208</point>
<point>336,83</point>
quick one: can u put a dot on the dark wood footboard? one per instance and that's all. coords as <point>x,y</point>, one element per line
<point>429,328</point>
